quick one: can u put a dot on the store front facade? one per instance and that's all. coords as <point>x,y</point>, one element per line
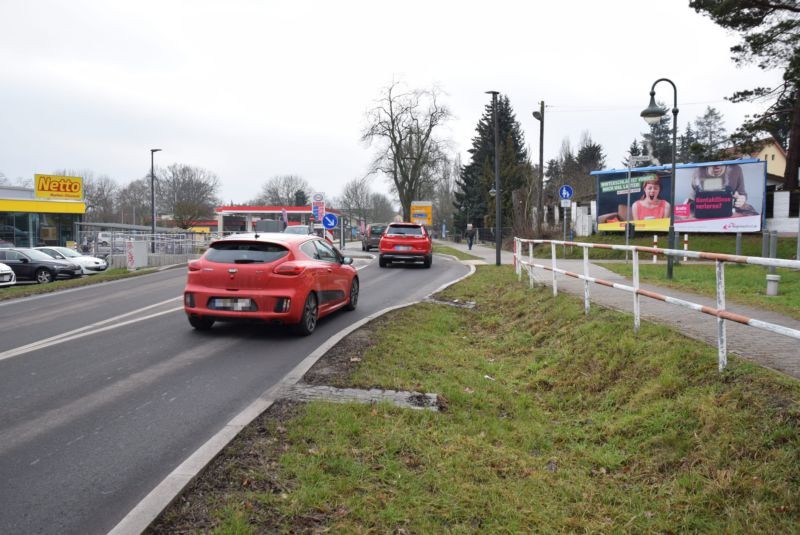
<point>30,217</point>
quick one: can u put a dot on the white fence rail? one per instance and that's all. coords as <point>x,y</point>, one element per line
<point>527,263</point>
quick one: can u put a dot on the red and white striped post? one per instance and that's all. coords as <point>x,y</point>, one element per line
<point>685,245</point>
<point>655,244</point>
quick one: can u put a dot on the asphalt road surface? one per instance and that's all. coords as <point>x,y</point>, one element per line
<point>104,390</point>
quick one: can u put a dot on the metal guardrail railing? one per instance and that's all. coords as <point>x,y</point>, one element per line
<point>520,263</point>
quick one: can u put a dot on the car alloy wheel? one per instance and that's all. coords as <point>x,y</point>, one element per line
<point>43,276</point>
<point>353,303</point>
<point>308,321</point>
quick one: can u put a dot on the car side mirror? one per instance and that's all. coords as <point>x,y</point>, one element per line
<point>23,260</point>
<point>347,260</point>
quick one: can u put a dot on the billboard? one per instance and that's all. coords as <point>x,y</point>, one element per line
<point>709,197</point>
<point>422,212</point>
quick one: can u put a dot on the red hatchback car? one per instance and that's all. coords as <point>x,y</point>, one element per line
<point>405,242</point>
<point>289,279</point>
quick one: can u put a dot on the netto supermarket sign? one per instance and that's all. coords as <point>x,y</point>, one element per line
<point>58,187</point>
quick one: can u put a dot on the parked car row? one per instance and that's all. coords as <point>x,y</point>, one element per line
<point>45,264</point>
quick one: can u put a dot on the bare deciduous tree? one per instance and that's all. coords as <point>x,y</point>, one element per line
<point>382,209</point>
<point>355,198</point>
<point>133,202</point>
<point>189,193</point>
<point>98,192</point>
<point>281,190</point>
<point>403,124</point>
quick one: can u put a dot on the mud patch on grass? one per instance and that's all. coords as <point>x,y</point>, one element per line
<point>336,366</point>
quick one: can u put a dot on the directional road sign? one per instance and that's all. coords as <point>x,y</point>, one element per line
<point>565,192</point>
<point>330,221</point>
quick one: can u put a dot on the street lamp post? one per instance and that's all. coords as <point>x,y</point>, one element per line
<point>652,115</point>
<point>153,202</point>
<point>539,116</point>
<point>498,214</point>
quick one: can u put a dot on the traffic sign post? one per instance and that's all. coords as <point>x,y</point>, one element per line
<point>330,221</point>
<point>565,192</point>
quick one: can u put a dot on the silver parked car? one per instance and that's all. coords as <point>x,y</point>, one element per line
<point>89,264</point>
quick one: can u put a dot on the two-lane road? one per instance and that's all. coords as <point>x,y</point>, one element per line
<point>106,389</point>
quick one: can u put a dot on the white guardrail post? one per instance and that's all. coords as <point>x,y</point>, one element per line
<point>555,283</point>
<point>530,267</point>
<point>722,339</point>
<point>636,311</point>
<point>586,299</point>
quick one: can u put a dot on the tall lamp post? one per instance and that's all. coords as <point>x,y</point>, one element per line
<point>498,214</point>
<point>652,115</point>
<point>539,116</point>
<point>153,202</point>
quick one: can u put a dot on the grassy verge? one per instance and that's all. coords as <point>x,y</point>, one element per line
<point>743,284</point>
<point>556,422</point>
<point>25,290</point>
<point>461,255</point>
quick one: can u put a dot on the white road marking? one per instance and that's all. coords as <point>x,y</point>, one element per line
<point>88,330</point>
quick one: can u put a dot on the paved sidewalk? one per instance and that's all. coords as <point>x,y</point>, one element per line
<point>774,351</point>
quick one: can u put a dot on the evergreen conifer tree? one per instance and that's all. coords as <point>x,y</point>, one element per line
<point>472,201</point>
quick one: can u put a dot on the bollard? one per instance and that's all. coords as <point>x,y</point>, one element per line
<point>685,245</point>
<point>655,244</point>
<point>772,284</point>
<point>773,248</point>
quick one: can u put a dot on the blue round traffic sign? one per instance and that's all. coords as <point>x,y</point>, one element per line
<point>565,192</point>
<point>330,221</point>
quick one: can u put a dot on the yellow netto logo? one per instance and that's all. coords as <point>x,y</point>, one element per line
<point>59,187</point>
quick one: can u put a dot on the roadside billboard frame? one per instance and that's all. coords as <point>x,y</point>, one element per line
<point>739,189</point>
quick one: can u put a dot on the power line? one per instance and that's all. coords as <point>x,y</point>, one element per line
<point>591,109</point>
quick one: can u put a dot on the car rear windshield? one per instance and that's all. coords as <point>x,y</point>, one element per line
<point>377,231</point>
<point>245,252</point>
<point>405,230</point>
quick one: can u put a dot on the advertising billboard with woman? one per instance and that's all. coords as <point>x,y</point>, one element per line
<point>709,197</point>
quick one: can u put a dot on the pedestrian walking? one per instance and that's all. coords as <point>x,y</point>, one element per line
<point>470,236</point>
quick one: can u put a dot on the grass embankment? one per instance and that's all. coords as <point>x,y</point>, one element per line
<point>25,290</point>
<point>556,422</point>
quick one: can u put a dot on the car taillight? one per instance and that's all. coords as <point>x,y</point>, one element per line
<point>289,268</point>
<point>194,265</point>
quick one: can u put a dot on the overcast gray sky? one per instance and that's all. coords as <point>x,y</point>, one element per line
<point>251,89</point>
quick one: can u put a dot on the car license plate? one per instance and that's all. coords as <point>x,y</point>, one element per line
<point>223,303</point>
<point>5,277</point>
<point>402,247</point>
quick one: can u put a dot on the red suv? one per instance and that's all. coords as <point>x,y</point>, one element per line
<point>405,242</point>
